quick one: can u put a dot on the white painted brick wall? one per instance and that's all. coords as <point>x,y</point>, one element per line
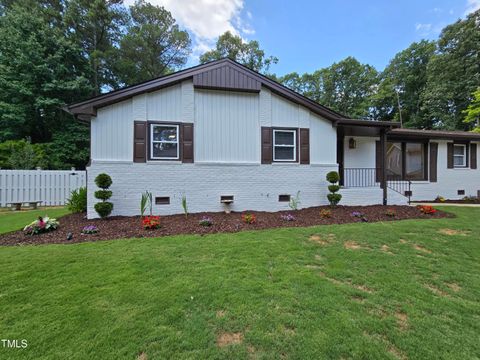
<point>255,187</point>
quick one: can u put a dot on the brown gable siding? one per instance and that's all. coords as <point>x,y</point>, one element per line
<point>226,78</point>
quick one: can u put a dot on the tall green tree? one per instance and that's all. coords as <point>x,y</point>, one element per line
<point>402,84</point>
<point>453,74</point>
<point>40,71</point>
<point>97,27</point>
<point>247,53</point>
<point>347,87</point>
<point>153,45</point>
<point>473,112</point>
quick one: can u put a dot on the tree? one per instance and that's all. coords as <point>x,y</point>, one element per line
<point>153,45</point>
<point>247,53</point>
<point>473,112</point>
<point>402,84</point>
<point>97,27</point>
<point>40,71</point>
<point>453,74</point>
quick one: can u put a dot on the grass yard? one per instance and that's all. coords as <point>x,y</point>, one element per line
<point>15,220</point>
<point>392,290</point>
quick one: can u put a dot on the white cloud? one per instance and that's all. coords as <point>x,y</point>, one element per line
<point>472,5</point>
<point>423,29</point>
<point>207,19</point>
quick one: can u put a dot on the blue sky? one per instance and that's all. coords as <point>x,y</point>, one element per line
<point>308,35</point>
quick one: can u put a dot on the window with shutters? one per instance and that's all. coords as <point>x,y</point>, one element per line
<point>459,155</point>
<point>164,142</point>
<point>284,145</point>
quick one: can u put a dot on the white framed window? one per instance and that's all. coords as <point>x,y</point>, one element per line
<point>284,145</point>
<point>164,142</point>
<point>459,155</point>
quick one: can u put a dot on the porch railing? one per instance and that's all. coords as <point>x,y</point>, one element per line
<point>360,177</point>
<point>370,177</point>
<point>398,184</point>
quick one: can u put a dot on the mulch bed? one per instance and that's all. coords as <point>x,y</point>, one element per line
<point>122,227</point>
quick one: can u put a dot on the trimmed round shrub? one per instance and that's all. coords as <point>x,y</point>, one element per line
<point>103,194</point>
<point>333,177</point>
<point>103,208</point>
<point>333,188</point>
<point>334,198</point>
<point>103,181</point>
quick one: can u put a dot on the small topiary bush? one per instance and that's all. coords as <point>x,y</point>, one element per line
<point>77,202</point>
<point>103,181</point>
<point>104,208</point>
<point>333,178</point>
<point>103,194</point>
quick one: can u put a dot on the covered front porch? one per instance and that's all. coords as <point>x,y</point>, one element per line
<point>365,176</point>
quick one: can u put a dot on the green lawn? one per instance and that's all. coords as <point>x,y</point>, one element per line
<point>16,220</point>
<point>394,290</point>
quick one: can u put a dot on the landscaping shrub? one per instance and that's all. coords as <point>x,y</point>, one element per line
<point>333,178</point>
<point>104,208</point>
<point>77,202</point>
<point>103,181</point>
<point>103,194</point>
<point>146,201</point>
<point>325,213</point>
<point>249,218</point>
<point>184,206</point>
<point>41,225</point>
<point>440,199</point>
<point>295,202</point>
<point>151,222</point>
<point>205,221</point>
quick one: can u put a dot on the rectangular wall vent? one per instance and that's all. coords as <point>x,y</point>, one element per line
<point>162,200</point>
<point>461,192</point>
<point>284,198</point>
<point>226,199</point>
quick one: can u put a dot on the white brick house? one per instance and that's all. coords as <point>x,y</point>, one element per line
<point>221,131</point>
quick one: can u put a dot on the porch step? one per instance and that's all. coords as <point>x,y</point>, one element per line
<point>370,196</point>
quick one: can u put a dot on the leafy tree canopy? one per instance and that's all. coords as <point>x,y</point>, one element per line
<point>247,53</point>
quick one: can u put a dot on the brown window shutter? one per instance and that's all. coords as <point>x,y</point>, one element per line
<point>267,146</point>
<point>473,156</point>
<point>304,146</point>
<point>186,139</point>
<point>139,141</point>
<point>378,161</point>
<point>450,155</point>
<point>433,161</point>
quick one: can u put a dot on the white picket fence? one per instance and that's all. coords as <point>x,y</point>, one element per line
<point>52,187</point>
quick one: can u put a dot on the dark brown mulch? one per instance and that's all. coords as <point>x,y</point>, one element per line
<point>121,227</point>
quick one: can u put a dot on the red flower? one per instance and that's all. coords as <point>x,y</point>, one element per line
<point>427,209</point>
<point>248,218</point>
<point>151,222</point>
